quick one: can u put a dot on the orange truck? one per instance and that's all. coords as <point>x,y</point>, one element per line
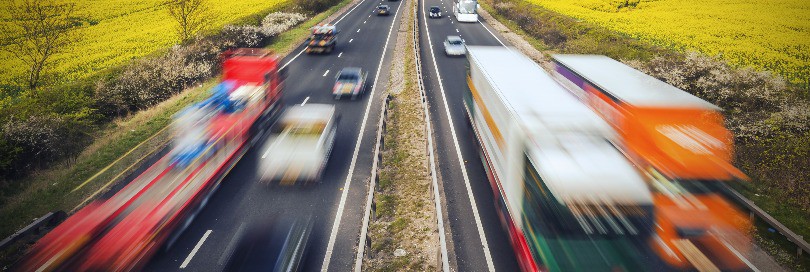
<point>680,143</point>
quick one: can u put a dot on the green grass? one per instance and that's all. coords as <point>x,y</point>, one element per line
<point>403,199</point>
<point>50,190</point>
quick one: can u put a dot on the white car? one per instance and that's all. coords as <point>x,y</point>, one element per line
<point>299,144</point>
<point>454,46</point>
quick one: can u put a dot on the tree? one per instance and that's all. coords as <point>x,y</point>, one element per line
<point>36,31</point>
<point>191,16</point>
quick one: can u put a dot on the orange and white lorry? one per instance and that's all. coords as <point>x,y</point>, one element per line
<point>679,141</point>
<point>567,197</point>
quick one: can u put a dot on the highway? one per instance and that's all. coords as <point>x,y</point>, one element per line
<point>479,242</point>
<point>336,204</point>
<point>476,239</point>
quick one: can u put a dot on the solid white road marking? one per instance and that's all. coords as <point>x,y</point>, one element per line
<point>302,50</point>
<point>305,101</point>
<point>194,251</point>
<point>336,225</point>
<point>327,71</point>
<point>341,54</point>
<point>476,216</point>
<point>493,35</point>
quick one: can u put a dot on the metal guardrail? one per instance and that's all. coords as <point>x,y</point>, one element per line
<point>442,255</point>
<point>49,220</point>
<point>755,210</point>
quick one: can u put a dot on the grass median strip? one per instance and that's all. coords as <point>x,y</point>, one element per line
<point>403,230</point>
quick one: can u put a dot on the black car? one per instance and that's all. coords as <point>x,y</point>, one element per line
<point>435,12</point>
<point>272,245</point>
<point>383,10</point>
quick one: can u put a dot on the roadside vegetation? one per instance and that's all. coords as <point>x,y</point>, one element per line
<point>403,229</point>
<point>769,115</point>
<point>133,104</point>
<point>112,33</point>
<point>740,33</point>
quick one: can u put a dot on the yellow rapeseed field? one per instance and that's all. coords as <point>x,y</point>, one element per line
<point>773,35</point>
<point>116,31</point>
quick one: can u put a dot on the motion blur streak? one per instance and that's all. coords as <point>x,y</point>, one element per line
<point>124,231</point>
<point>569,199</point>
<point>600,167</point>
<point>299,144</point>
<point>680,144</point>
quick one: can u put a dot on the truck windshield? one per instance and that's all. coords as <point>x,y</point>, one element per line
<point>467,6</point>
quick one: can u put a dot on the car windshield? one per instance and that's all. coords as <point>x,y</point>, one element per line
<point>434,9</point>
<point>347,77</point>
<point>454,40</point>
<point>382,7</point>
<point>305,128</point>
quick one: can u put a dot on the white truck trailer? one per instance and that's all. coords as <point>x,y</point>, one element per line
<point>569,199</point>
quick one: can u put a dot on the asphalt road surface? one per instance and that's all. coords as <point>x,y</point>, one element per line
<point>365,40</point>
<point>479,242</point>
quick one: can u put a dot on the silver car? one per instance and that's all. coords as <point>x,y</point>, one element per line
<point>454,46</point>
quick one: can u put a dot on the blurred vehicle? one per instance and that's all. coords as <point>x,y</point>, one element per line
<point>124,231</point>
<point>299,145</point>
<point>680,143</point>
<point>323,39</point>
<point>383,10</point>
<point>435,12</point>
<point>466,11</point>
<point>349,81</point>
<point>568,198</point>
<point>272,245</point>
<point>454,46</point>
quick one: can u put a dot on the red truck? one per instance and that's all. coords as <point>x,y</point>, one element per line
<point>124,231</point>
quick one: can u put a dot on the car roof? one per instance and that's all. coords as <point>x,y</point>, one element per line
<point>453,38</point>
<point>434,7</point>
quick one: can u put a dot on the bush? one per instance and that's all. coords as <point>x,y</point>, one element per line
<point>42,139</point>
<point>735,90</point>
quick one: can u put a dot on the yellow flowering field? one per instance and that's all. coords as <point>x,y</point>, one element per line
<point>773,35</point>
<point>116,31</point>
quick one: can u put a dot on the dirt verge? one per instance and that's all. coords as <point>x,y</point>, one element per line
<point>403,229</point>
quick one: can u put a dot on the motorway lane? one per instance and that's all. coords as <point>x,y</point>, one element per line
<point>241,200</point>
<point>468,249</point>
